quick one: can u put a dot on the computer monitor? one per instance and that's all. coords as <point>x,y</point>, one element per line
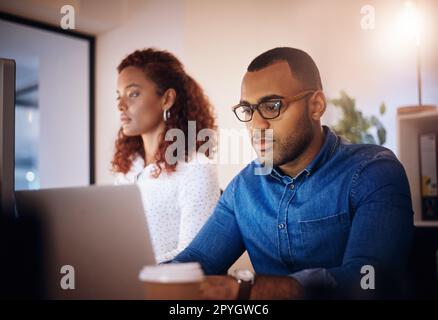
<point>7,128</point>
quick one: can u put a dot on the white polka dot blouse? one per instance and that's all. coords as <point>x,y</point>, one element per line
<point>176,204</point>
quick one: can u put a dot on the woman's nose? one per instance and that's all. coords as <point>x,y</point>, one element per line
<point>121,104</point>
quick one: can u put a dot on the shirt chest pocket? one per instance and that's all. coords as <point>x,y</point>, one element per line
<point>324,239</point>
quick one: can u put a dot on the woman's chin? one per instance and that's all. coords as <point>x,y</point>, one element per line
<point>129,131</point>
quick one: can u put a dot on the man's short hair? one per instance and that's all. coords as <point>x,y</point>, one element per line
<point>301,65</point>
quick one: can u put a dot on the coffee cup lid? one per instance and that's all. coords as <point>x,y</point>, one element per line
<point>172,272</point>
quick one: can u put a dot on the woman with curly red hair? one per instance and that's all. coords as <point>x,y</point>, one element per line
<point>156,95</point>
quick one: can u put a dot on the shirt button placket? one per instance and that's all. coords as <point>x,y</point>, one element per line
<point>282,224</point>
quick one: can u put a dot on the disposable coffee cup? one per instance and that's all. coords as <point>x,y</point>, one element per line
<point>173,281</point>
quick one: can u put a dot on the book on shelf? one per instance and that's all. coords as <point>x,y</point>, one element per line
<point>429,175</point>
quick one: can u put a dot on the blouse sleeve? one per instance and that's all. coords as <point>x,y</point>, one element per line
<point>129,177</point>
<point>121,179</point>
<point>198,194</point>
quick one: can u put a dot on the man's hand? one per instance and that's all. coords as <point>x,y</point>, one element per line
<point>276,288</point>
<point>219,288</point>
<point>264,288</point>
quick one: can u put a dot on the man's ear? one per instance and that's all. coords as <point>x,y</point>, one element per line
<point>317,105</point>
<point>168,99</point>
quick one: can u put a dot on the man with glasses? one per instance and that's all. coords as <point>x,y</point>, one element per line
<point>329,217</point>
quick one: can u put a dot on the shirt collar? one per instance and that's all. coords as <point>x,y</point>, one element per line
<point>331,141</point>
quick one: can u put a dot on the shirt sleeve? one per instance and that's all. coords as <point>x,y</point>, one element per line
<point>219,243</point>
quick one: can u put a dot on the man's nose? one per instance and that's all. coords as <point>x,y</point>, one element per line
<point>258,122</point>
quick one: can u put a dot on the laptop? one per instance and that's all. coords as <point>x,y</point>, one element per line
<point>95,240</point>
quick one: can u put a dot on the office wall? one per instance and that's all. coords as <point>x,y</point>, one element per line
<point>217,39</point>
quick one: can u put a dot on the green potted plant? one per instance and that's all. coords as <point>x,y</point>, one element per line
<point>356,127</point>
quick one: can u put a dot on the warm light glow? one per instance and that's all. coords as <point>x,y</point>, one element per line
<point>410,21</point>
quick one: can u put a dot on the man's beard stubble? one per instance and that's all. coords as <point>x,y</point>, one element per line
<point>290,148</point>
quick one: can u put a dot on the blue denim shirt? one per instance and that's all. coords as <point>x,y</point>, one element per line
<point>348,208</point>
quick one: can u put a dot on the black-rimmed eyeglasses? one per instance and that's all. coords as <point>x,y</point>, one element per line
<point>269,109</point>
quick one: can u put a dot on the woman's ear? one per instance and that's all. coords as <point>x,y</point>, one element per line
<point>168,99</point>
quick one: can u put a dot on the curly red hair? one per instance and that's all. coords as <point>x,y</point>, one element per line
<point>191,104</point>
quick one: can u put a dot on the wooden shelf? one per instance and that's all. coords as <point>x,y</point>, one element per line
<point>419,116</point>
<point>423,223</point>
<point>409,127</point>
